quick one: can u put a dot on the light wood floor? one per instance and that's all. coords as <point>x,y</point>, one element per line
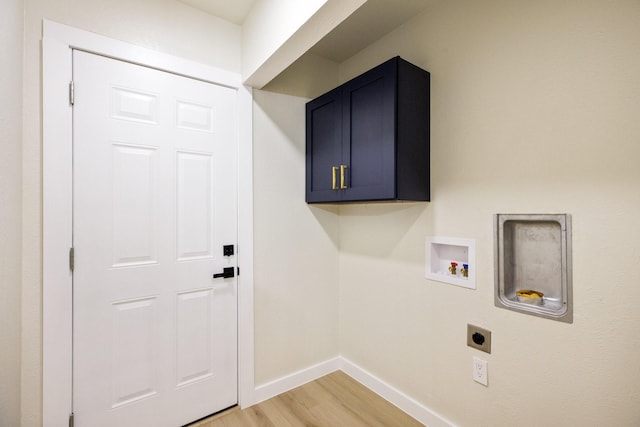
<point>335,400</point>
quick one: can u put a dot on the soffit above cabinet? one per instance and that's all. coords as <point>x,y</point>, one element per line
<point>366,25</point>
<point>369,23</point>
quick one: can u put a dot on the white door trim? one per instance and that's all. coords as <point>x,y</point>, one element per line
<point>57,42</point>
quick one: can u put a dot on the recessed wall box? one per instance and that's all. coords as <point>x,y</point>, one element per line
<point>533,264</point>
<point>451,260</point>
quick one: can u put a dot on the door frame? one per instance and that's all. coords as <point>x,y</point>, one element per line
<point>58,40</point>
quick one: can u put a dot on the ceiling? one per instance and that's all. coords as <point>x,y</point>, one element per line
<point>369,23</point>
<point>230,10</point>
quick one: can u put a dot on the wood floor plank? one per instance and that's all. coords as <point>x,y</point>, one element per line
<point>256,417</point>
<point>334,413</point>
<point>295,407</point>
<point>375,410</point>
<point>277,417</point>
<point>333,400</point>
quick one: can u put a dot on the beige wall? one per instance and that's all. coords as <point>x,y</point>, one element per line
<point>535,109</point>
<point>11,26</point>
<point>295,248</point>
<point>163,25</point>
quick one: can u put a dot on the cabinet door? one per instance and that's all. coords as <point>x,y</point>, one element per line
<point>368,134</point>
<point>323,128</point>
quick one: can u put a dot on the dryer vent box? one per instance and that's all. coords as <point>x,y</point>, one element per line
<point>533,264</point>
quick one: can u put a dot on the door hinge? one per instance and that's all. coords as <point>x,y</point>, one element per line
<point>72,94</point>
<point>71,259</point>
<point>71,419</point>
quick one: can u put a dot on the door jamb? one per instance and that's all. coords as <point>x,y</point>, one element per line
<point>57,43</point>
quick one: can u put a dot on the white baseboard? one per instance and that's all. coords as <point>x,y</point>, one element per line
<point>296,379</point>
<point>409,405</point>
<point>381,388</point>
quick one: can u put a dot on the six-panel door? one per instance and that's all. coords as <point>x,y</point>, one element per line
<point>154,202</point>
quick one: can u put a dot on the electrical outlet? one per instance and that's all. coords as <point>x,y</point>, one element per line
<point>480,372</point>
<point>479,338</point>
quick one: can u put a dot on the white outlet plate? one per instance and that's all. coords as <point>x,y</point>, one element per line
<point>480,371</point>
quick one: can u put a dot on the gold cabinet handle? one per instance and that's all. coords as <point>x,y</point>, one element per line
<point>334,184</point>
<point>342,183</point>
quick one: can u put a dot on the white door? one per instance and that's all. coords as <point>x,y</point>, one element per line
<point>155,334</point>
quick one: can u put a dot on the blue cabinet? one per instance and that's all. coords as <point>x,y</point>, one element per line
<point>368,140</point>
